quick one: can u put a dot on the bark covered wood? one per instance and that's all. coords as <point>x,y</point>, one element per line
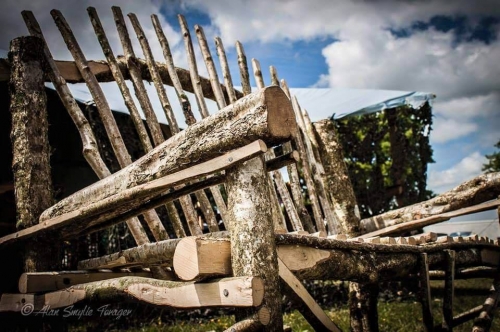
<point>90,150</point>
<point>253,249</point>
<point>30,147</point>
<point>336,177</point>
<point>241,292</point>
<point>477,190</point>
<point>263,115</point>
<point>105,113</point>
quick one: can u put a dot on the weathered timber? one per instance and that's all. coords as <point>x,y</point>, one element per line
<point>120,80</point>
<point>90,150</point>
<point>467,273</point>
<point>425,296</point>
<point>193,68</point>
<point>449,290</point>
<point>336,178</point>
<point>242,64</point>
<point>434,219</point>
<point>129,102</point>
<point>304,302</point>
<point>124,212</point>
<point>483,322</point>
<point>198,258</point>
<point>202,198</point>
<point>40,282</point>
<point>475,191</point>
<point>102,71</point>
<point>265,115</point>
<point>159,253</point>
<point>253,249</point>
<point>230,292</point>
<point>30,148</point>
<point>99,212</point>
<point>151,119</point>
<point>307,172</point>
<point>277,215</point>
<point>378,263</point>
<point>363,307</point>
<point>226,73</point>
<point>296,187</point>
<point>209,63</point>
<point>105,113</point>
<point>155,74</point>
<point>186,202</point>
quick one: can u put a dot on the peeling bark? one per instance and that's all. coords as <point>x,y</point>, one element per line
<point>253,249</point>
<point>336,178</point>
<point>263,115</point>
<point>477,190</point>
<point>30,147</point>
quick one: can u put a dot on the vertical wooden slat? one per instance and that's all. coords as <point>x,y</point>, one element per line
<point>209,62</point>
<point>90,151</point>
<point>193,67</point>
<point>221,53</point>
<point>107,118</point>
<point>134,112</point>
<point>151,119</point>
<point>183,100</point>
<point>242,63</point>
<point>205,205</point>
<point>425,296</point>
<point>449,290</point>
<point>30,148</point>
<point>275,204</point>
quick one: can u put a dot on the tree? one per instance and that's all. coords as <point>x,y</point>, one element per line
<point>493,164</point>
<point>387,155</point>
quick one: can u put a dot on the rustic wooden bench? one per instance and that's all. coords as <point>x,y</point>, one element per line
<point>271,241</point>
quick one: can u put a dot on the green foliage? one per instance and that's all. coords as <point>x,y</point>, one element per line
<point>493,164</point>
<point>387,155</point>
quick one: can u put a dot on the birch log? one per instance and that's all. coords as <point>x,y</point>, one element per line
<point>253,249</point>
<point>477,190</point>
<point>242,63</point>
<point>30,147</point>
<point>263,115</point>
<point>336,178</point>
<point>241,292</point>
<point>228,82</point>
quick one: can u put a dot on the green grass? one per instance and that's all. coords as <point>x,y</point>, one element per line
<point>393,316</point>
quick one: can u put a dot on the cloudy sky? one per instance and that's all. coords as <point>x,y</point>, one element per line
<point>449,48</point>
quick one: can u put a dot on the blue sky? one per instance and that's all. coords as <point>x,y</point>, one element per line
<point>450,48</point>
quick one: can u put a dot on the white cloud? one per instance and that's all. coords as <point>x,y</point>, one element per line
<point>75,12</point>
<point>446,130</point>
<point>467,168</point>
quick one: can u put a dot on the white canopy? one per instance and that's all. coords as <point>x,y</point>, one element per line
<point>320,103</point>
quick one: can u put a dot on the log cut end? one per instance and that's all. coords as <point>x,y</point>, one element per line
<point>281,118</point>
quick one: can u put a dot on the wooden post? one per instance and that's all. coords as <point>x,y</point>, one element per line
<point>425,296</point>
<point>363,307</point>
<point>30,147</point>
<point>336,177</point>
<point>449,291</point>
<point>253,249</point>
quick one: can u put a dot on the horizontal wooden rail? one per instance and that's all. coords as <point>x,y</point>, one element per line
<point>419,223</point>
<point>228,292</point>
<point>101,70</point>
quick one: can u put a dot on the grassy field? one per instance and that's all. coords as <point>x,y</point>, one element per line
<point>393,316</point>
